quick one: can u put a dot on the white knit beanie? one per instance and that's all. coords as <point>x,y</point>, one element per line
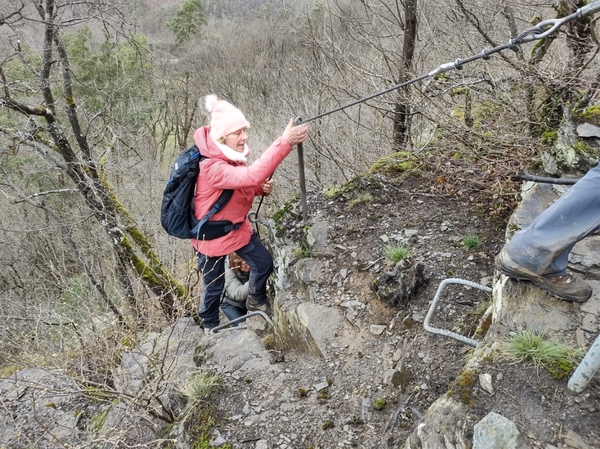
<point>225,118</point>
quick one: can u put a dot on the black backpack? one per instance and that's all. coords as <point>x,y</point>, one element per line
<point>177,209</point>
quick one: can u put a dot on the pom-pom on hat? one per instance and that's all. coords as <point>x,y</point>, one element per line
<point>225,118</point>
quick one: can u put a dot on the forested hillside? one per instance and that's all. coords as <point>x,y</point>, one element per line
<point>98,97</point>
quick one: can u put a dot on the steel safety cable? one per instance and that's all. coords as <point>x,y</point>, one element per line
<point>539,31</point>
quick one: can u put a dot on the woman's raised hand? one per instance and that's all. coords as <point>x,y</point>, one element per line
<point>267,186</point>
<point>295,134</point>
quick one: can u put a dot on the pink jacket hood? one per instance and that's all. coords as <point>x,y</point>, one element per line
<point>217,173</point>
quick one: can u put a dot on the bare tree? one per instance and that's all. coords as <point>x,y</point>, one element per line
<point>51,123</point>
<point>403,107</point>
<point>557,72</point>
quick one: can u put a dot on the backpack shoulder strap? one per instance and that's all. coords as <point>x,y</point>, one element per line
<point>219,204</point>
<point>223,199</point>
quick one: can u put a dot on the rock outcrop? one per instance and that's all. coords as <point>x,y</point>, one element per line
<point>344,368</point>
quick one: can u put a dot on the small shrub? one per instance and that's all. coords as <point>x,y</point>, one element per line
<point>396,253</point>
<point>472,242</point>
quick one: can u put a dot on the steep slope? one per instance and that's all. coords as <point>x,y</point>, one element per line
<point>348,367</point>
<point>372,371</point>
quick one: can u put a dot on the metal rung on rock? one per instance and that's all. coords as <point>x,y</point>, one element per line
<point>444,332</point>
<point>227,325</point>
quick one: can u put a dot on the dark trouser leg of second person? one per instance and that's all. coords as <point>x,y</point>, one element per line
<point>232,312</point>
<point>540,252</point>
<point>544,246</point>
<point>261,266</point>
<point>212,270</point>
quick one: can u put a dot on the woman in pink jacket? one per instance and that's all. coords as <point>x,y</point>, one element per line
<point>224,145</point>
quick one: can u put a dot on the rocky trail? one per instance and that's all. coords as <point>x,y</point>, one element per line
<point>349,364</point>
<point>380,371</point>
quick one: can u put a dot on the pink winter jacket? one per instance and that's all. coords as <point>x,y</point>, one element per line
<point>218,173</point>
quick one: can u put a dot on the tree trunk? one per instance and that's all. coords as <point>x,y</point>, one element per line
<point>402,108</point>
<point>131,246</point>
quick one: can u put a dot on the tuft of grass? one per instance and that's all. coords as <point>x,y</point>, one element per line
<point>558,358</point>
<point>333,192</point>
<point>268,341</point>
<point>472,242</point>
<point>98,420</point>
<point>201,430</point>
<point>9,371</point>
<point>323,395</point>
<point>98,394</point>
<point>379,404</point>
<point>360,199</point>
<point>327,425</point>
<point>396,253</point>
<point>303,249</point>
<point>301,252</point>
<point>199,386</point>
<point>302,392</point>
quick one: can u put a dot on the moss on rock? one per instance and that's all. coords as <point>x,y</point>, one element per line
<point>398,162</point>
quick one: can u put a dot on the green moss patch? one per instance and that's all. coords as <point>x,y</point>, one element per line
<point>398,162</point>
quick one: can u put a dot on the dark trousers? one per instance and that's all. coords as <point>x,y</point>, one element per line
<point>213,274</point>
<point>544,246</point>
<point>232,312</point>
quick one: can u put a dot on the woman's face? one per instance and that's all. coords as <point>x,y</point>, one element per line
<point>236,140</point>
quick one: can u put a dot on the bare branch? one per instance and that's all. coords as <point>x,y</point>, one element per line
<point>8,102</point>
<point>49,192</point>
<point>15,15</point>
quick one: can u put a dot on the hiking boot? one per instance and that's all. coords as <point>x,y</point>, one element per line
<point>568,288</point>
<point>252,305</point>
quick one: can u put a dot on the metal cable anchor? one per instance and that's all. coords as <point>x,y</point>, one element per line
<point>253,217</point>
